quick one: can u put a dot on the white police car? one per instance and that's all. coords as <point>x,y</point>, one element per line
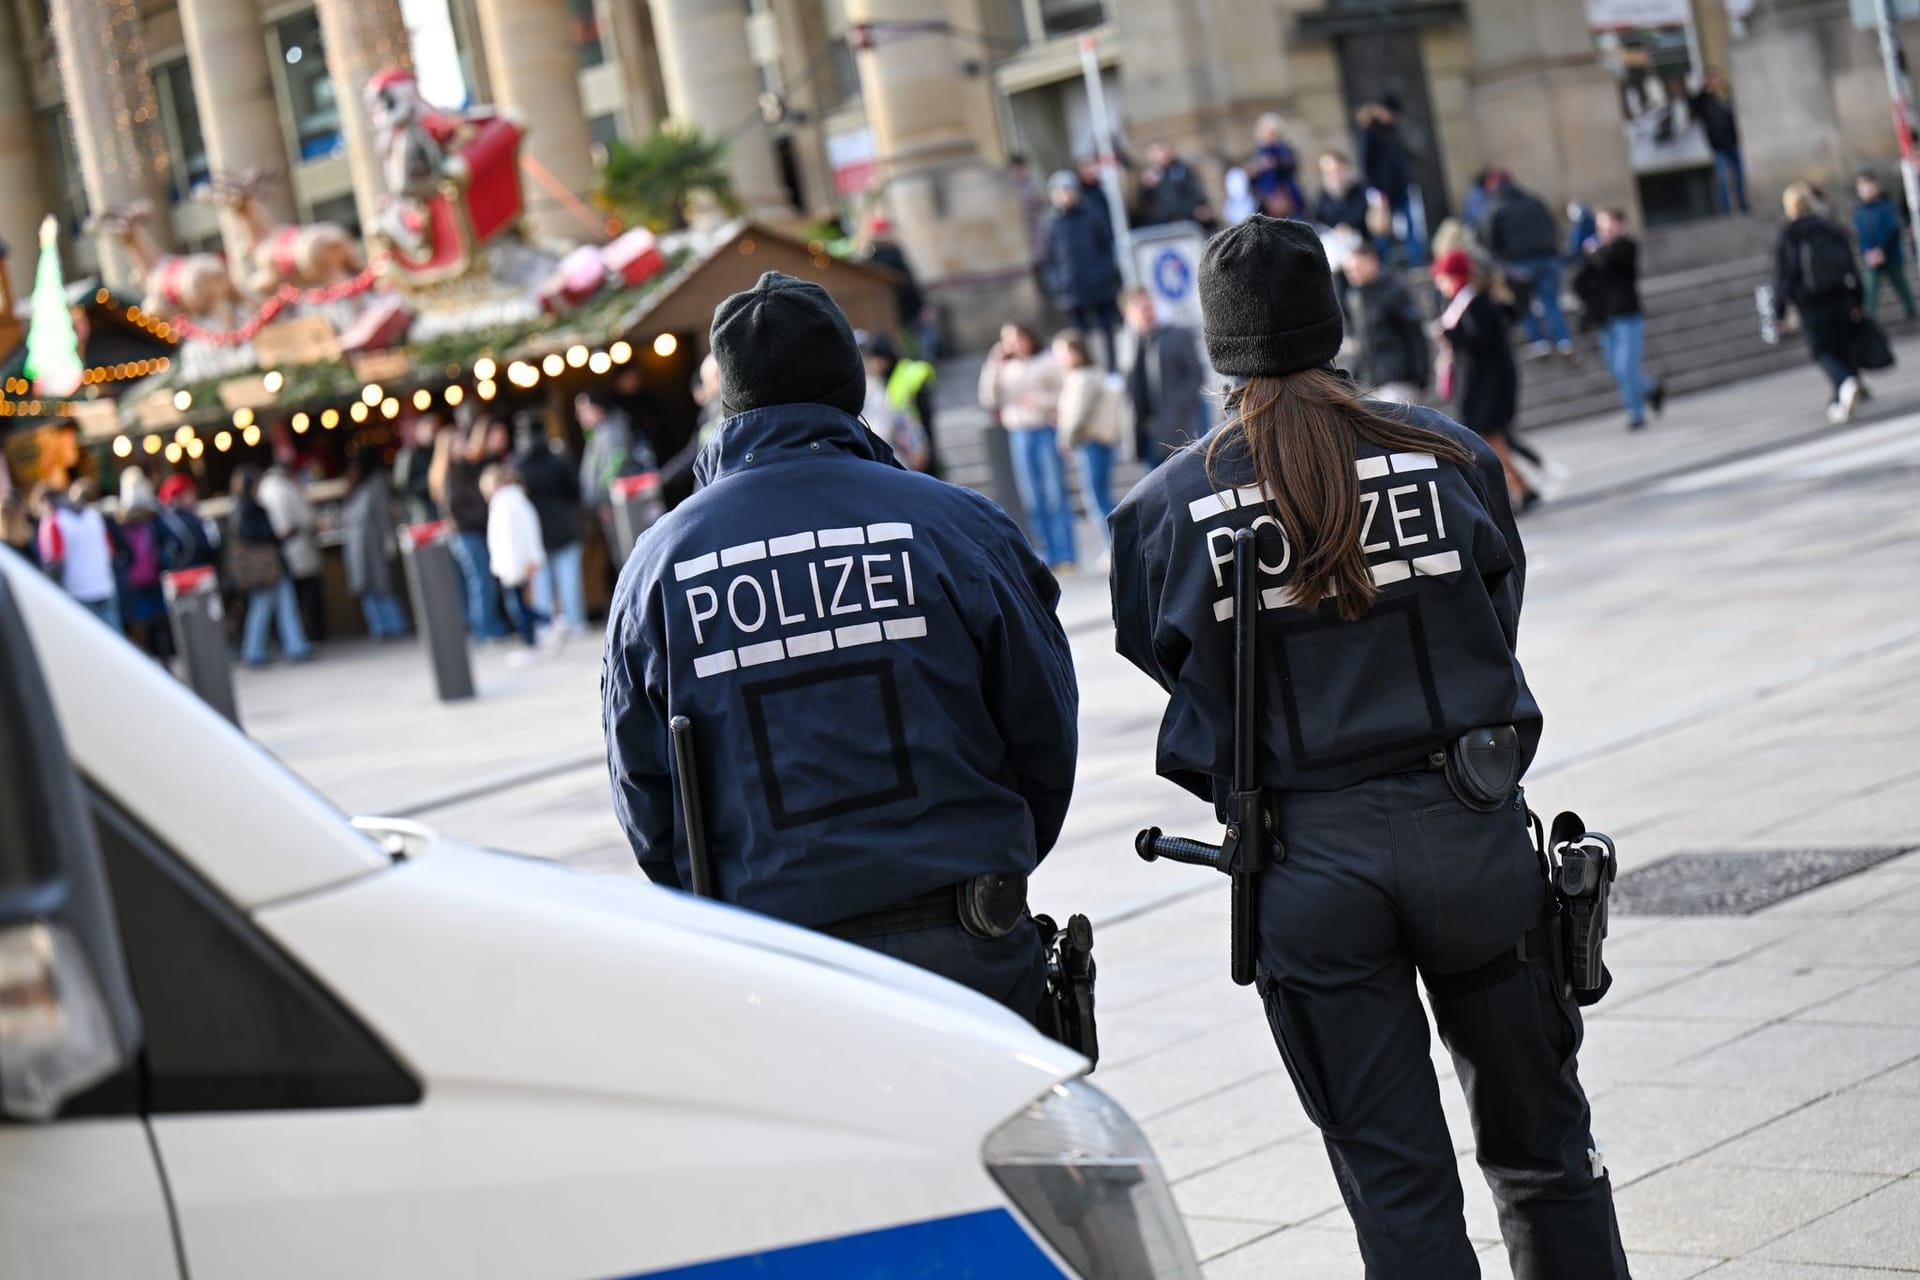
<point>240,1037</point>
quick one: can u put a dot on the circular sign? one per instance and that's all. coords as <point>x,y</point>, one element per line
<point>1172,274</point>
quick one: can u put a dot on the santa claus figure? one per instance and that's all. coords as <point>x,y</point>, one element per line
<point>415,143</point>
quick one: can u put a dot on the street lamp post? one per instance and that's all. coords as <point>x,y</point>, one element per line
<point>1900,90</point>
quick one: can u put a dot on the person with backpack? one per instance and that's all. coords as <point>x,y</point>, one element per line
<point>1814,272</point>
<point>1883,243</point>
<point>143,604</point>
<point>1520,234</point>
<point>188,540</point>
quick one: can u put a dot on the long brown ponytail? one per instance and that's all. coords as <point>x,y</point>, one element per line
<point>1299,432</point>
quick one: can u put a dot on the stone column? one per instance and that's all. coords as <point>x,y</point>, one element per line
<point>362,37</point>
<point>233,92</point>
<point>115,118</point>
<point>629,33</point>
<point>1783,79</point>
<point>531,64</point>
<point>1544,106</point>
<point>713,85</point>
<point>957,216</point>
<point>803,36</point>
<point>22,202</point>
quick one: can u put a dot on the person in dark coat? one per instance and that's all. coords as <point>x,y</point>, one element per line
<point>1396,358</point>
<point>1342,201</point>
<point>412,466</point>
<point>882,696</point>
<point>1077,262</point>
<point>1486,382</point>
<point>1388,169</point>
<point>1712,106</point>
<point>1814,273</point>
<point>1608,285</point>
<point>552,483</point>
<point>1523,238</point>
<point>1170,191</point>
<point>366,527</point>
<point>1275,167</point>
<point>1164,384</point>
<point>1883,243</point>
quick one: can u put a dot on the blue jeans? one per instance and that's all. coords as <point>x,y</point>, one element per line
<point>523,617</point>
<point>1096,482</point>
<point>562,576</point>
<point>385,621</point>
<point>1542,276</point>
<point>1730,180</point>
<point>107,610</point>
<point>263,606</point>
<point>1041,477</point>
<point>1407,228</point>
<point>476,582</point>
<point>1624,342</point>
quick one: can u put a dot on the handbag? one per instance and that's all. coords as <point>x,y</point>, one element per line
<point>1869,349</point>
<point>253,566</point>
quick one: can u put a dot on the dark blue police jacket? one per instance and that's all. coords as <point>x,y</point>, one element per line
<point>882,694</point>
<point>1344,701</point>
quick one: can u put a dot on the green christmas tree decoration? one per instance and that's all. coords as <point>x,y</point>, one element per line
<point>53,348</point>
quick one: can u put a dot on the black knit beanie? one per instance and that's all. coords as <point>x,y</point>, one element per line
<point>1267,299</point>
<point>784,341</point>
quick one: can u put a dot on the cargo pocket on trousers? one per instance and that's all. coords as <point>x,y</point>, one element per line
<point>1297,1049</point>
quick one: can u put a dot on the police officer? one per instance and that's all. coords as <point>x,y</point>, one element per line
<point>1391,577</point>
<point>882,695</point>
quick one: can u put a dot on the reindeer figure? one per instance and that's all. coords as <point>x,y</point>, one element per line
<point>310,256</point>
<point>195,284</point>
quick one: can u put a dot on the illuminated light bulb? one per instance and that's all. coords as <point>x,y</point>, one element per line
<point>358,413</point>
<point>553,366</point>
<point>223,441</point>
<point>123,448</point>
<point>484,369</point>
<point>456,393</point>
<point>173,454</point>
<point>621,352</point>
<point>576,355</point>
<point>330,418</point>
<point>389,408</point>
<point>485,390</point>
<point>600,362</point>
<point>151,444</point>
<point>184,434</point>
<point>195,448</point>
<point>422,399</point>
<point>522,374</point>
<point>251,435</point>
<point>273,381</point>
<point>300,423</point>
<point>665,345</point>
<point>371,394</point>
<point>243,417</point>
<point>183,400</point>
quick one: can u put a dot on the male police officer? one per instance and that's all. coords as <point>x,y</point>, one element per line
<point>884,700</point>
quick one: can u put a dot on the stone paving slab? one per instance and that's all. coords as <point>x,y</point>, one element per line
<point>1727,1210</point>
<point>1879,1230</point>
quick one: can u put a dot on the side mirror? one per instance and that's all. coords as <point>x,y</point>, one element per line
<point>67,1017</point>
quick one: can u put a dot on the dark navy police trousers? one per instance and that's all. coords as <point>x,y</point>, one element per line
<point>1381,881</point>
<point>1012,970</point>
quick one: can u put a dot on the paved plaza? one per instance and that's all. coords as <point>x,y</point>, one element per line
<point>1723,625</point>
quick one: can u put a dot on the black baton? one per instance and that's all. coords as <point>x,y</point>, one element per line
<point>686,771</point>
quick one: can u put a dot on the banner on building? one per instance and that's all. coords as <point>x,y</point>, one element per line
<point>851,156</point>
<point>1652,50</point>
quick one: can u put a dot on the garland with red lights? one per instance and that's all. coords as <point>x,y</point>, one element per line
<point>286,296</point>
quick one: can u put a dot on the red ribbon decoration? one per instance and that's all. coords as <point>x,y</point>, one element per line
<point>286,296</point>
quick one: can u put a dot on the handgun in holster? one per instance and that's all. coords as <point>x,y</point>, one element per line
<point>1067,1014</point>
<point>1580,867</point>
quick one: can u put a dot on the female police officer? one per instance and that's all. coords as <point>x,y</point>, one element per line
<point>1391,577</point>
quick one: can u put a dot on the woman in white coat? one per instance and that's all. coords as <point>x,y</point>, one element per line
<point>514,545</point>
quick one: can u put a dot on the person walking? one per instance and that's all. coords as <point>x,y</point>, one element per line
<point>257,567</point>
<point>1883,243</point>
<point>143,601</point>
<point>285,501</point>
<point>902,765</point>
<point>1520,234</point>
<point>1170,191</point>
<point>413,466</point>
<point>1388,169</point>
<point>611,451</point>
<point>1608,285</point>
<point>1396,357</point>
<point>1712,105</point>
<point>456,490</point>
<point>366,527</point>
<point>1814,273</point>
<point>552,484</point>
<point>1342,203</point>
<point>1020,389</point>
<point>1164,383</point>
<point>517,553</point>
<point>1479,355</point>
<point>77,551</point>
<point>909,387</point>
<point>1275,168</point>
<point>188,540</point>
<point>1090,416</point>
<point>1078,265</point>
<point>1387,643</point>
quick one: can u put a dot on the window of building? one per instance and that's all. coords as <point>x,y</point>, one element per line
<point>583,21</point>
<point>1064,17</point>
<point>310,108</point>
<point>604,128</point>
<point>181,117</point>
<point>339,209</point>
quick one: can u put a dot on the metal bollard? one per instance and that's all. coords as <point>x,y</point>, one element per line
<point>636,505</point>
<point>433,584</point>
<point>200,634</point>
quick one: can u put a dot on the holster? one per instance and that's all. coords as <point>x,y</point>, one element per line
<point>1580,866</point>
<point>1066,1015</point>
